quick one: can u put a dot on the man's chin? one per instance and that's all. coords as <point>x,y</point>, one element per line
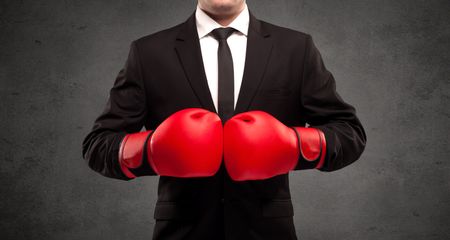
<point>223,8</point>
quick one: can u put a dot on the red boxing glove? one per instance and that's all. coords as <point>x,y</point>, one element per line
<point>258,146</point>
<point>189,143</point>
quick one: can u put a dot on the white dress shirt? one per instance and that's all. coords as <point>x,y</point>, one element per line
<point>237,42</point>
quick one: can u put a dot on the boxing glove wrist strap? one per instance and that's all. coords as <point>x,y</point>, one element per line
<point>133,155</point>
<point>312,148</point>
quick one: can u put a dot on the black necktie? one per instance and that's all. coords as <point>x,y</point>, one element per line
<point>226,73</point>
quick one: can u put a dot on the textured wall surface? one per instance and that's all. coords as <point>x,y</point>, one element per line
<point>390,59</point>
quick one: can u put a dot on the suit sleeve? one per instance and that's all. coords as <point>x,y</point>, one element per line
<point>124,113</point>
<point>323,108</point>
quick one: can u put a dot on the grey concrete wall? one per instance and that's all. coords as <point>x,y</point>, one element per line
<point>390,59</point>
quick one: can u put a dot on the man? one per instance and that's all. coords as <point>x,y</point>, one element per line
<point>225,98</point>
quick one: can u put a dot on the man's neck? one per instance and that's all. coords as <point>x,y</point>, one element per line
<point>224,20</point>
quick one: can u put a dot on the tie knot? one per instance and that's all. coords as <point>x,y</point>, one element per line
<point>222,33</point>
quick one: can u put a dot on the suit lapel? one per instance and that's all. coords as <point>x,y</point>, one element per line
<point>188,49</point>
<point>259,47</point>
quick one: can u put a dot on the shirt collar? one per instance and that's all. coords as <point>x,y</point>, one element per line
<point>205,24</point>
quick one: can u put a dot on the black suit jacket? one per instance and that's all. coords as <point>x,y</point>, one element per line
<point>284,75</point>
